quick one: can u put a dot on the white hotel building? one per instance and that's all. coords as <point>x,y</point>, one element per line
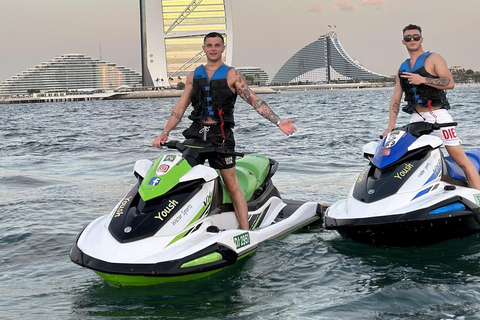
<point>70,72</point>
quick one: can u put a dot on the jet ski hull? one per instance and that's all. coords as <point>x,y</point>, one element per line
<point>218,249</point>
<point>452,218</point>
<point>408,233</point>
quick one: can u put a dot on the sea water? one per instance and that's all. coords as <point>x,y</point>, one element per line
<point>64,164</point>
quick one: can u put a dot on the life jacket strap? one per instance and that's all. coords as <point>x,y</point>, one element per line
<point>222,124</point>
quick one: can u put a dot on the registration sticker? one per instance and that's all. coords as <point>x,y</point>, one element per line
<point>242,240</point>
<point>477,198</point>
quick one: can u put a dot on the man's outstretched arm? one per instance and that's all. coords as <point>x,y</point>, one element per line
<point>259,105</point>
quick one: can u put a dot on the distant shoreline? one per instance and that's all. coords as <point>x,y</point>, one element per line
<point>173,93</point>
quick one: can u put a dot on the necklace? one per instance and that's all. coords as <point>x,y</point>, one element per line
<point>212,69</point>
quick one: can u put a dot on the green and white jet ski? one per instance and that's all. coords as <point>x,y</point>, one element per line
<point>177,223</point>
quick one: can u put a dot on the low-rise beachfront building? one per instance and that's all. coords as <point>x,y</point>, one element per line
<point>256,75</point>
<point>70,72</point>
<point>323,61</point>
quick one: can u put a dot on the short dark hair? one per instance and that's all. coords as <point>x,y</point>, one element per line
<point>412,27</point>
<point>214,35</point>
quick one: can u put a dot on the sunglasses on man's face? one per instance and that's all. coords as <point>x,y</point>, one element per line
<point>415,37</point>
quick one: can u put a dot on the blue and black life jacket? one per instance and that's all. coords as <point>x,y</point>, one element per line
<point>422,94</point>
<point>212,99</point>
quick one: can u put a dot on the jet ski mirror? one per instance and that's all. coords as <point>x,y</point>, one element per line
<point>141,167</point>
<point>369,149</point>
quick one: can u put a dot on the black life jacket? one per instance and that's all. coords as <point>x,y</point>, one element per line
<point>214,99</point>
<point>422,94</point>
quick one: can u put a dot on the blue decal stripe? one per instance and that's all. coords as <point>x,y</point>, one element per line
<point>421,193</point>
<point>431,178</point>
<point>434,175</point>
<point>457,206</point>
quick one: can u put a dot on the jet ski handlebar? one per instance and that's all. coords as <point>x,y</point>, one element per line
<point>420,128</point>
<point>194,150</point>
<point>201,146</point>
<point>437,126</point>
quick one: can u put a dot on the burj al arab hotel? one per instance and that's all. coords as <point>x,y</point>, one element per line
<point>172,36</point>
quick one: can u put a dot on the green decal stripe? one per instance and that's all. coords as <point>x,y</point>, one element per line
<point>247,254</point>
<point>180,236</point>
<point>119,280</point>
<point>197,216</point>
<point>212,257</point>
<point>201,212</point>
<point>167,182</point>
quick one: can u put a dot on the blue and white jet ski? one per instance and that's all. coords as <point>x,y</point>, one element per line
<point>409,194</point>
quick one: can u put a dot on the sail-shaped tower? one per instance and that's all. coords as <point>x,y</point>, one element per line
<point>172,36</point>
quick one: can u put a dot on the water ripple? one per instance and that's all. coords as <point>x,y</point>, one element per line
<point>65,164</point>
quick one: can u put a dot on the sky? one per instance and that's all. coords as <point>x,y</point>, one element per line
<point>266,32</point>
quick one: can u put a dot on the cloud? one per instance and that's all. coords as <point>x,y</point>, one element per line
<point>344,5</point>
<point>315,8</point>
<point>374,3</point>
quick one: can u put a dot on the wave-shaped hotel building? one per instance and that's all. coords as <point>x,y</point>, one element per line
<point>70,72</point>
<point>323,61</point>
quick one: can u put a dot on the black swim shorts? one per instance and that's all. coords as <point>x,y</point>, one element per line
<point>213,134</point>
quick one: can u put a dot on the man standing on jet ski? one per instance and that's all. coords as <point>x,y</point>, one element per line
<point>423,78</point>
<point>212,89</point>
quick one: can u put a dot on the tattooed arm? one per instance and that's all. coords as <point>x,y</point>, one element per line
<point>252,99</point>
<point>445,78</point>
<point>176,114</point>
<point>240,85</point>
<point>394,108</point>
<point>437,82</point>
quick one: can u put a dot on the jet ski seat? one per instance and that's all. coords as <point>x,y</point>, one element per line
<point>251,173</point>
<point>456,172</point>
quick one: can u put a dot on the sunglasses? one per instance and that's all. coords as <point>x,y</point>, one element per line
<point>415,37</point>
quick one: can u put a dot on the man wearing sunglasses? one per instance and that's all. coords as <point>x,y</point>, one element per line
<point>424,78</point>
